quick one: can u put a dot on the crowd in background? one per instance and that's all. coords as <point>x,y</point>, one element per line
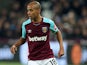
<point>69,15</point>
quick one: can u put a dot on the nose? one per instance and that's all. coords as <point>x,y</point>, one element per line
<point>28,12</point>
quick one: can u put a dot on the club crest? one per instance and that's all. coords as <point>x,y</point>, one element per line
<point>44,29</point>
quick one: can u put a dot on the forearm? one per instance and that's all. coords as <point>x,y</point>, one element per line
<point>60,39</point>
<point>20,42</point>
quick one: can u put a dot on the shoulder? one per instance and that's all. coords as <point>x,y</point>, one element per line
<point>26,22</point>
<point>47,20</point>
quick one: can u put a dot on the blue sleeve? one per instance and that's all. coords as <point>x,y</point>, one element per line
<point>53,27</point>
<point>23,31</point>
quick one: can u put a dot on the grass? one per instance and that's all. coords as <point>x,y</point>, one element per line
<point>10,63</point>
<point>18,63</point>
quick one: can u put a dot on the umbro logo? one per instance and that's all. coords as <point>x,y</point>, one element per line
<point>29,31</point>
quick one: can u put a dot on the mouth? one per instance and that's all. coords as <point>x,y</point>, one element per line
<point>29,16</point>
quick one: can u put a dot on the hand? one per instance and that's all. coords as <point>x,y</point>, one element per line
<point>13,49</point>
<point>61,53</point>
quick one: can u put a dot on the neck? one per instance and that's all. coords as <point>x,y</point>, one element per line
<point>37,19</point>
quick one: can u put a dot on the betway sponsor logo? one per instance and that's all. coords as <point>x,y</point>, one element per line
<point>35,38</point>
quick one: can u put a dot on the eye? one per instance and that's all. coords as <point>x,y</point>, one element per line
<point>29,10</point>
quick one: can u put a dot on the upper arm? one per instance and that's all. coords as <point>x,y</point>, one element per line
<point>53,27</point>
<point>23,31</point>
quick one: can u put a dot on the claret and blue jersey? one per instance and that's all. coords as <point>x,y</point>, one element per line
<point>37,36</point>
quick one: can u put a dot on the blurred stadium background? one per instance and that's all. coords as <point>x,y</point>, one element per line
<point>69,15</point>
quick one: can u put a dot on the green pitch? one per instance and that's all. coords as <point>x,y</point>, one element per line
<point>10,63</point>
<point>18,63</point>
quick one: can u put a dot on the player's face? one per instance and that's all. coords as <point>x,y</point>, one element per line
<point>32,12</point>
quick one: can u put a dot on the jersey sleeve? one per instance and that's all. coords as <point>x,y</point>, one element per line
<point>53,27</point>
<point>23,31</point>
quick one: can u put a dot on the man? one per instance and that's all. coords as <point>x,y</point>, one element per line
<point>36,31</point>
